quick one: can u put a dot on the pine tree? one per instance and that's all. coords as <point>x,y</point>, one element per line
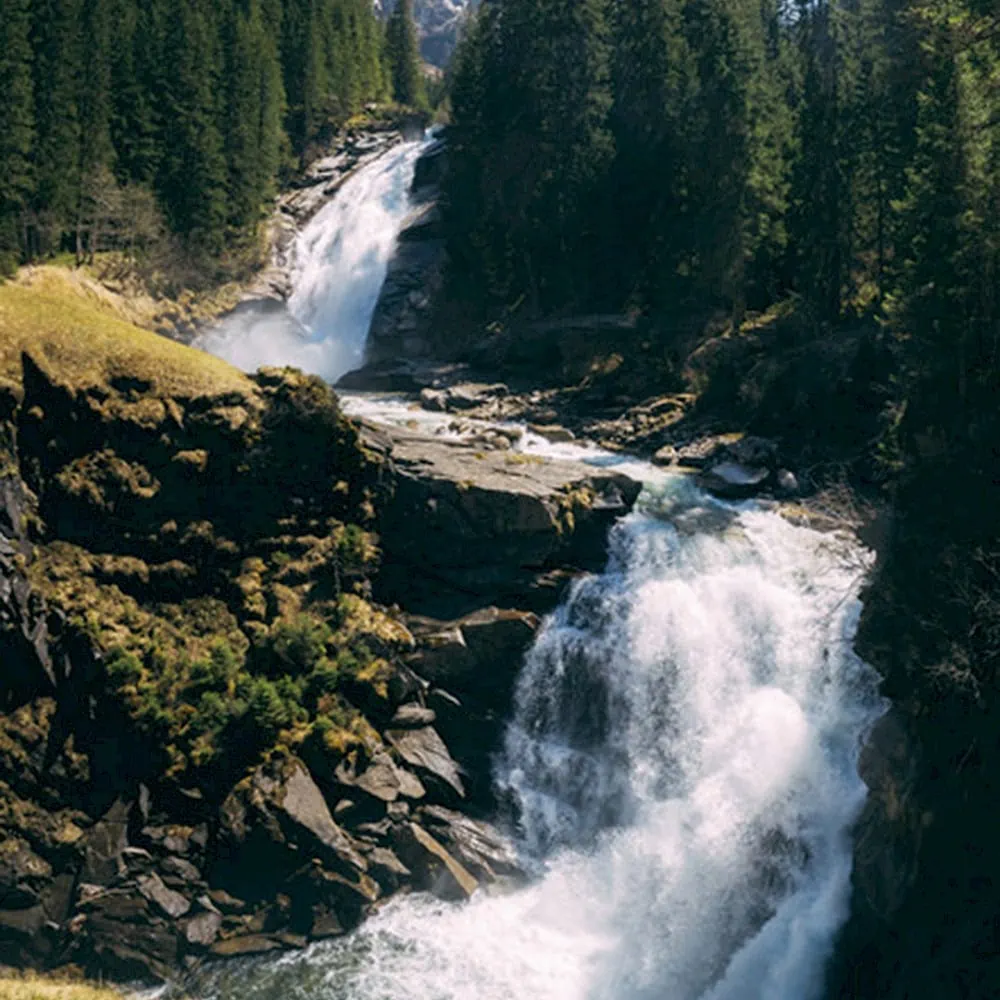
<point>56,39</point>
<point>138,72</point>
<point>17,132</point>
<point>403,54</point>
<point>654,86</point>
<point>253,114</point>
<point>192,176</point>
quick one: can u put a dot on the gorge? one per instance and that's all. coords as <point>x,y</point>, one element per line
<point>680,768</point>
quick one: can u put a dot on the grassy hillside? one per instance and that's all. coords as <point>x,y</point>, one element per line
<point>83,341</point>
<point>30,987</point>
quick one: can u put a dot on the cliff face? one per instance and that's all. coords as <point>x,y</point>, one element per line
<point>927,858</point>
<point>212,741</point>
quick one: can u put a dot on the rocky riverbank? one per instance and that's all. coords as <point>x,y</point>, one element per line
<point>215,739</point>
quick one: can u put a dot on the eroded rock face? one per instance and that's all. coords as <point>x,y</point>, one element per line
<point>400,326</point>
<point>467,528</point>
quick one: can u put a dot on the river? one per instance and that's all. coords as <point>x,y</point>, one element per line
<point>682,756</point>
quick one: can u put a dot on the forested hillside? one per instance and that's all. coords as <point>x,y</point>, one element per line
<point>695,159</point>
<point>122,119</point>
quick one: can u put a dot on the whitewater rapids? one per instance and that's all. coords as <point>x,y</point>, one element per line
<point>681,763</point>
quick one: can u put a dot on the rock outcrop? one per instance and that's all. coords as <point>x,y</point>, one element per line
<point>403,315</point>
<point>212,742</point>
<point>466,528</point>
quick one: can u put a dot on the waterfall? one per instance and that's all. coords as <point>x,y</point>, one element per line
<point>339,264</point>
<point>683,755</point>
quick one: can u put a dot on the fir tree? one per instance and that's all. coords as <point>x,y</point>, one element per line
<point>192,176</point>
<point>17,133</point>
<point>403,55</point>
<point>56,38</point>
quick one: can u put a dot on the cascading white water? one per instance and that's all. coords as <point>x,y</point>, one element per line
<point>340,261</point>
<point>683,755</point>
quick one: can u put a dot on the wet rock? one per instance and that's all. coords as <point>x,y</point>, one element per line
<point>754,451</point>
<point>732,481</point>
<point>247,944</point>
<point>325,925</point>
<point>173,904</point>
<point>787,483</point>
<point>435,870</point>
<point>667,455</point>
<point>313,888</point>
<point>425,750</point>
<point>553,433</point>
<point>435,400</point>
<point>480,847</point>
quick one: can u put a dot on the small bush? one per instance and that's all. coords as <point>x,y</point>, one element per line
<point>299,644</point>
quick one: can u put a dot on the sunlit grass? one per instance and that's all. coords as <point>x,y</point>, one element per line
<point>27,986</point>
<point>82,342</point>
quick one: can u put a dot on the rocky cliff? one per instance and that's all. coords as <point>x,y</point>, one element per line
<point>212,741</point>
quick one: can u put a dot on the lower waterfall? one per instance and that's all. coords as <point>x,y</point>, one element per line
<point>682,758</point>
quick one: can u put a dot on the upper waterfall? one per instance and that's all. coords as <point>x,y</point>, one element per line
<point>339,265</point>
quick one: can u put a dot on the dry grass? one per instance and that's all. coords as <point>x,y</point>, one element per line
<point>80,338</point>
<point>27,986</point>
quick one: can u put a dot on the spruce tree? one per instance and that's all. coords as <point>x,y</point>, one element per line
<point>56,37</point>
<point>192,176</point>
<point>403,55</point>
<point>17,132</point>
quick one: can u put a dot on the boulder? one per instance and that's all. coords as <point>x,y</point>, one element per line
<point>412,716</point>
<point>479,846</point>
<point>121,935</point>
<point>271,818</point>
<point>203,929</point>
<point>23,874</point>
<point>425,750</point>
<point>103,846</point>
<point>381,778</point>
<point>553,433</point>
<point>244,945</point>
<point>732,481</point>
<point>387,869</point>
<point>173,904</point>
<point>435,870</point>
<point>468,528</point>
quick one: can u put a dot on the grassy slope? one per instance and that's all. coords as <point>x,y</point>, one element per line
<point>83,342</point>
<point>30,987</point>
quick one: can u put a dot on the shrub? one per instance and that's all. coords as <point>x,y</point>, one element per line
<point>297,645</point>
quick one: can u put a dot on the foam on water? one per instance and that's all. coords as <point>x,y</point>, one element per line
<point>340,262</point>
